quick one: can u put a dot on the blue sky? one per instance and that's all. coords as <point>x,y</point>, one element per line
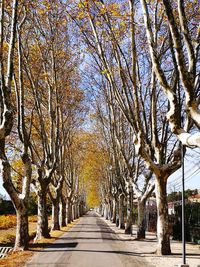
<point>191,172</point>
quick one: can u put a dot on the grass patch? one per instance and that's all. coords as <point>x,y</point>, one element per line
<point>8,228</point>
<point>19,258</point>
<point>7,236</point>
<point>10,221</point>
<point>7,221</point>
<point>16,259</point>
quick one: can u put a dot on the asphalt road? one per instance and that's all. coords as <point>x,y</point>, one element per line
<point>90,243</point>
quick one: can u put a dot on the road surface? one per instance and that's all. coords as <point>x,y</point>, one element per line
<point>90,243</point>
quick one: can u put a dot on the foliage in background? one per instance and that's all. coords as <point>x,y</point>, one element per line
<point>7,221</point>
<point>6,207</point>
<point>192,222</point>
<point>93,167</point>
<point>175,196</point>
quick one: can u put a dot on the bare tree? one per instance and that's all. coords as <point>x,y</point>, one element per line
<point>128,70</point>
<point>184,57</point>
<point>122,140</point>
<point>19,198</point>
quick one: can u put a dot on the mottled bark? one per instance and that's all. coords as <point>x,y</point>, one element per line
<point>121,212</point>
<point>63,212</point>
<point>102,210</point>
<point>42,223</point>
<point>129,217</point>
<point>73,212</point>
<point>113,211</point>
<point>6,123</point>
<point>55,225</point>
<point>141,220</point>
<point>163,247</point>
<point>81,209</point>
<point>187,74</point>
<point>22,235</point>
<point>117,212</point>
<point>69,211</point>
<point>20,201</point>
<point>105,214</point>
<point>77,211</point>
<point>110,209</point>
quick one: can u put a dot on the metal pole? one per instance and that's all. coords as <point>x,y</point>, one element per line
<point>183,207</point>
<point>131,209</point>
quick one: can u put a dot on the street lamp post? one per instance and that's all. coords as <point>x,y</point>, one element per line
<point>183,206</point>
<point>183,211</point>
<point>131,209</point>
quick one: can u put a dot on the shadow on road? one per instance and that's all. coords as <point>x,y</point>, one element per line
<point>92,231</point>
<point>55,245</point>
<point>89,214</point>
<point>88,238</point>
<point>60,247</point>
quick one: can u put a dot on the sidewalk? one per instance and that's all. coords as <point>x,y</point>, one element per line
<point>147,248</point>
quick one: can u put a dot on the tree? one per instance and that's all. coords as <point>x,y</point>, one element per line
<point>8,106</point>
<point>128,70</point>
<point>183,54</point>
<point>52,80</point>
<point>121,137</point>
<point>40,103</point>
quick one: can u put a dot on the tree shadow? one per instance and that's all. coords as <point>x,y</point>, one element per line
<point>92,231</point>
<point>90,215</point>
<point>193,255</point>
<point>145,240</point>
<point>88,238</point>
<point>71,247</point>
<point>85,224</point>
<point>58,247</point>
<point>52,245</point>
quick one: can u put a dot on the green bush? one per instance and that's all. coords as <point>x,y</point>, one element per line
<point>32,204</point>
<point>192,222</point>
<point>6,207</point>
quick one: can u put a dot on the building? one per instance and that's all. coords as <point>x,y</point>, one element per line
<point>172,205</point>
<point>194,199</point>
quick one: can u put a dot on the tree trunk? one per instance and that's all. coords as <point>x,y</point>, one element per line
<point>81,209</point>
<point>55,215</point>
<point>128,226</point>
<point>78,210</point>
<point>22,235</point>
<point>117,212</point>
<point>102,210</point>
<point>106,212</point>
<point>21,207</point>
<point>42,223</point>
<point>73,212</point>
<point>63,212</point>
<point>114,211</point>
<point>163,236</point>
<point>69,212</point>
<point>110,209</point>
<point>141,220</point>
<point>121,212</point>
